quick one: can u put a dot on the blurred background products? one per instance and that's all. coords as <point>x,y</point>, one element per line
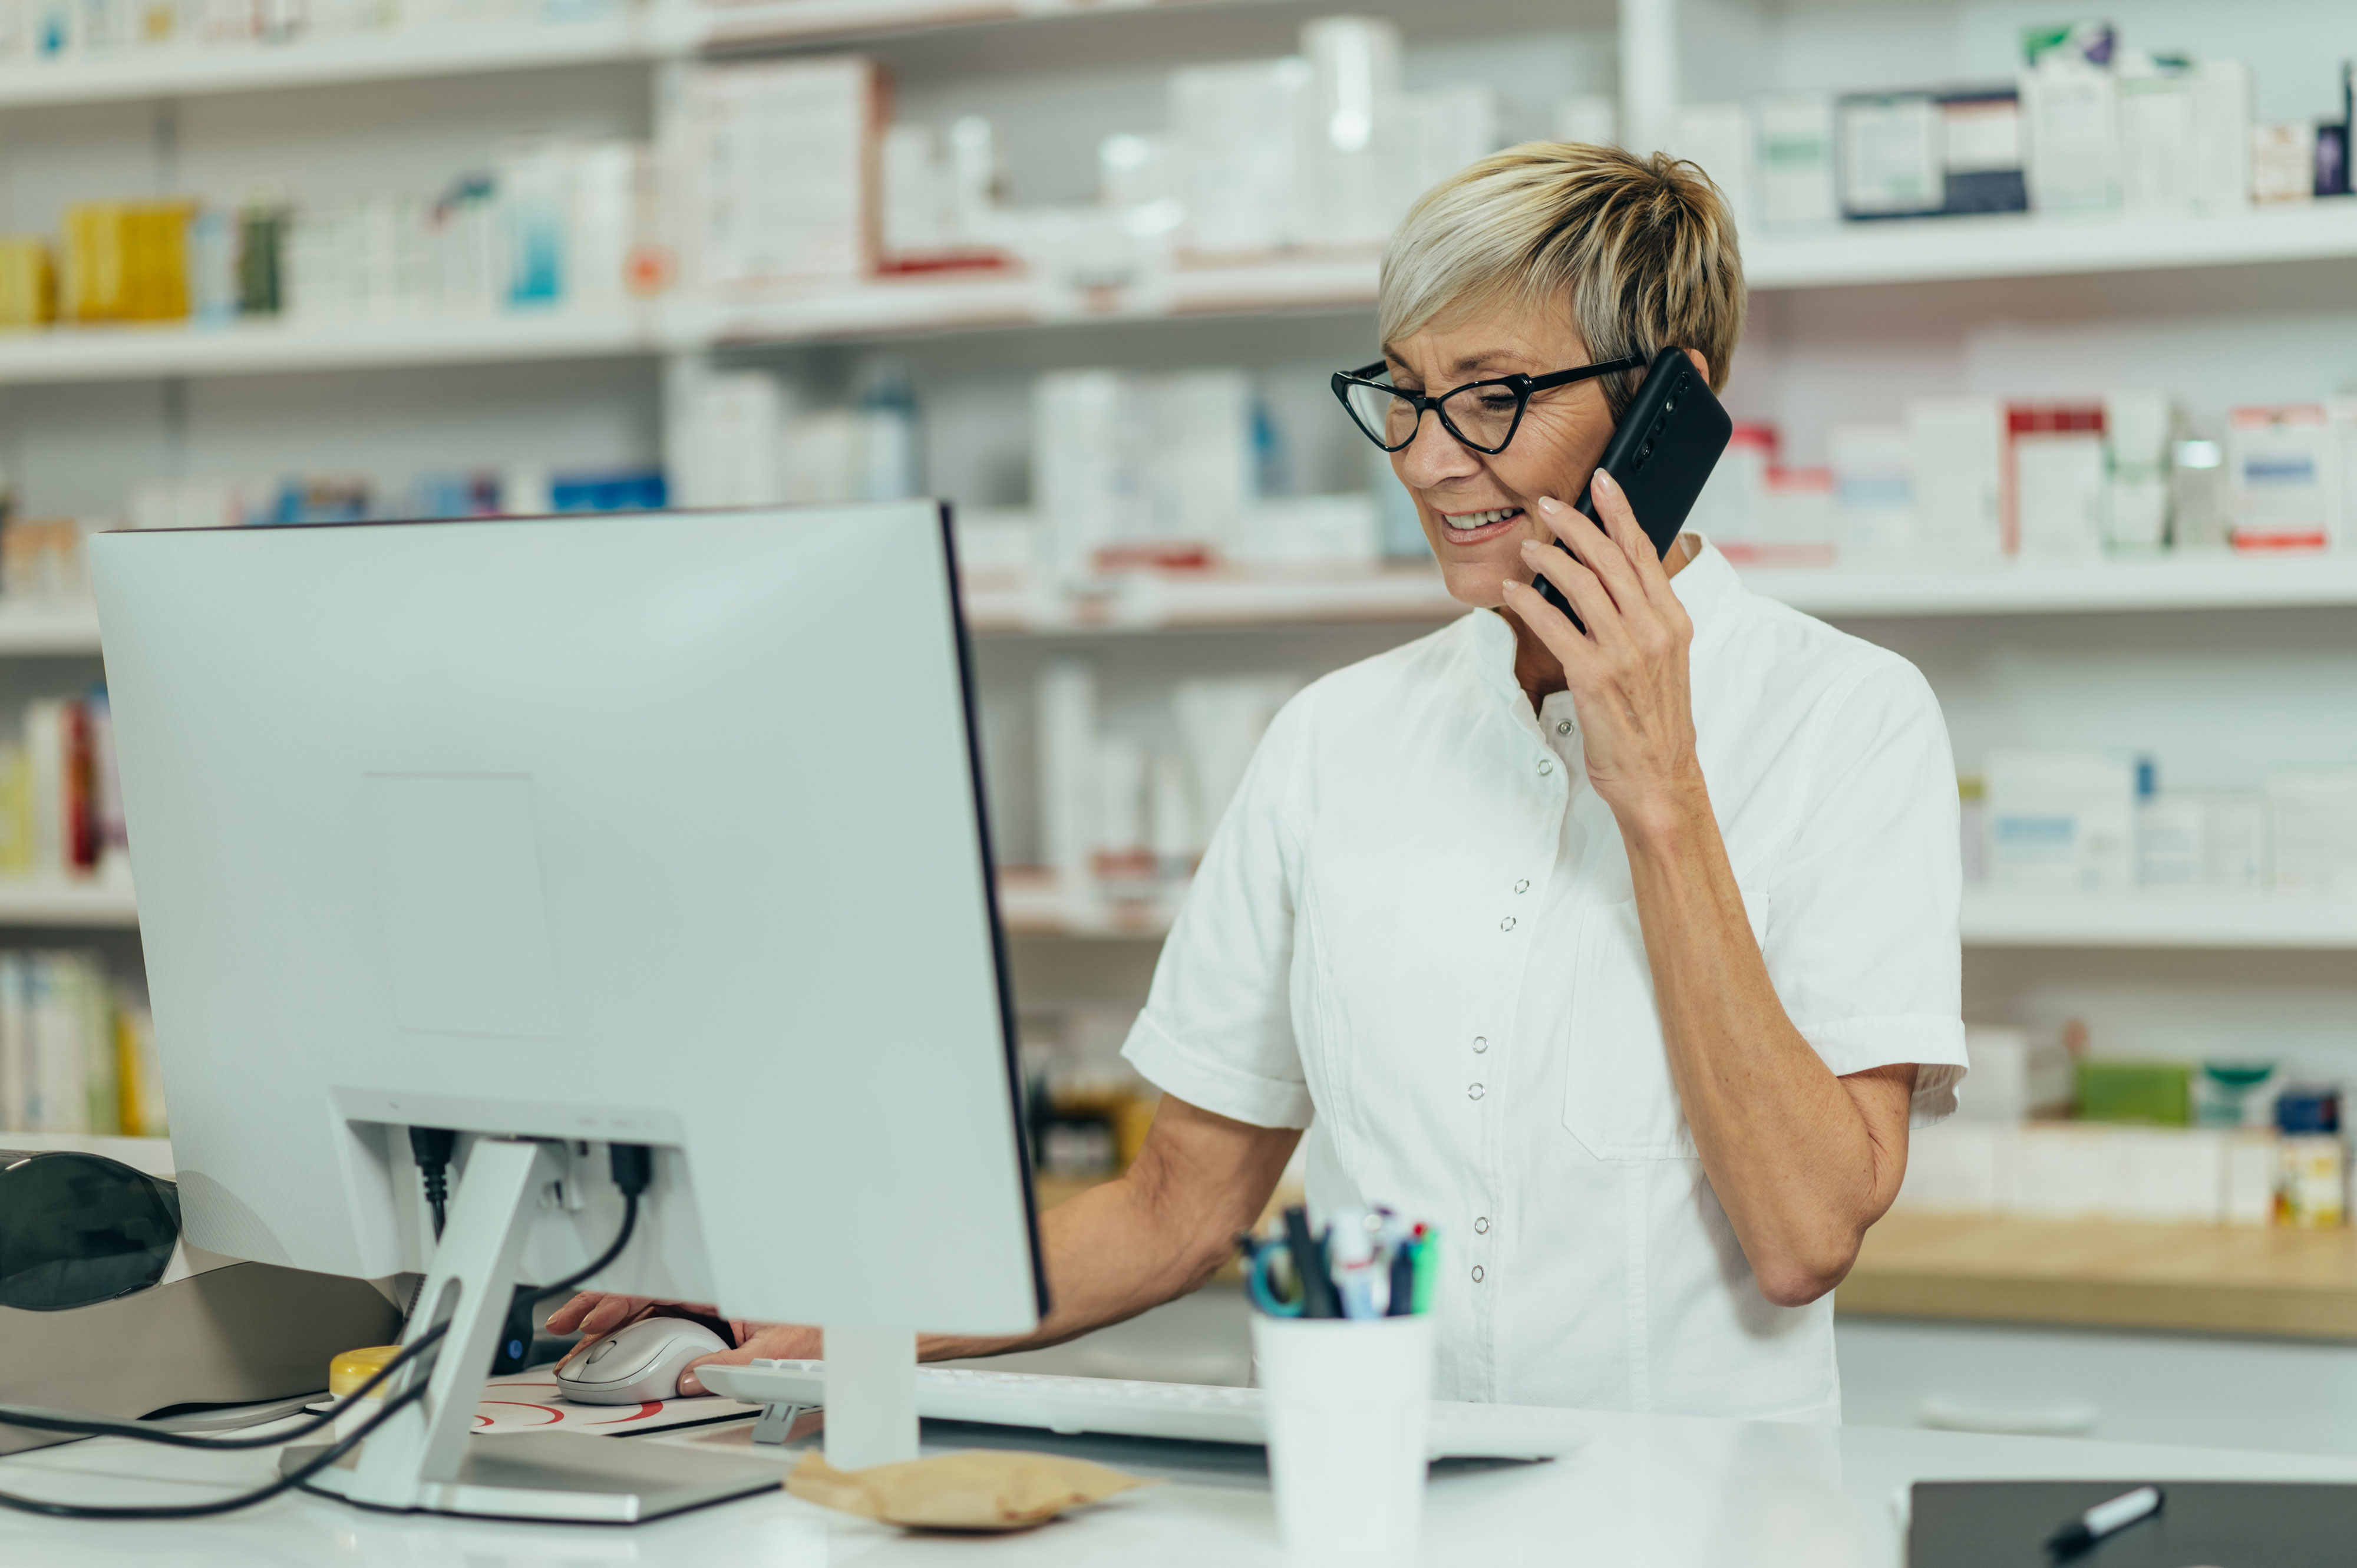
<point>77,1050</point>
<point>2046,386</point>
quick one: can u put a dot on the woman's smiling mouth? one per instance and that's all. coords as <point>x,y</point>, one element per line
<point>1472,527</point>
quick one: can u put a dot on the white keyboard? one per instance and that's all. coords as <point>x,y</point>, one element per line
<point>1194,1412</point>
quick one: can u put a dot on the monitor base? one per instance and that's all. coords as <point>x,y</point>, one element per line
<point>569,1477</point>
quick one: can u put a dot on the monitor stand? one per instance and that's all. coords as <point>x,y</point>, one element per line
<point>427,1458</point>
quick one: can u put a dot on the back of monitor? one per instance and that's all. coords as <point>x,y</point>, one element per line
<point>656,829</point>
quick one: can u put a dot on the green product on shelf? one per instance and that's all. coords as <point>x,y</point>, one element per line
<point>2160,1093</point>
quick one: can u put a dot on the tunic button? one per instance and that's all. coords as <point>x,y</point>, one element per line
<point>1480,1044</point>
<point>1481,1226</point>
<point>1472,1091</point>
<point>1524,886</point>
<point>1507,924</point>
<point>1478,1276</point>
<point>1563,728</point>
<point>1545,767</point>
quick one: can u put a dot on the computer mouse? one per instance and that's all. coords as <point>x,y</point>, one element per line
<point>637,1362</point>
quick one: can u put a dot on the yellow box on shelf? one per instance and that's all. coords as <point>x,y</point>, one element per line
<point>127,261</point>
<point>28,283</point>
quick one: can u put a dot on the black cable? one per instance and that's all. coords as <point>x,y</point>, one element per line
<point>39,1420</point>
<point>630,1223</point>
<point>432,1148</point>
<point>287,1482</point>
<point>632,1166</point>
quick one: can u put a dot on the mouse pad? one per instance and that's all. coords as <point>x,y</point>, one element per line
<point>528,1403</point>
<point>2202,1524</point>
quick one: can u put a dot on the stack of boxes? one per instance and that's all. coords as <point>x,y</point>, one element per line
<point>36,32</point>
<point>2042,1132</point>
<point>77,1052</point>
<point>1979,479</point>
<point>2095,823</point>
<point>552,223</point>
<point>2086,128</point>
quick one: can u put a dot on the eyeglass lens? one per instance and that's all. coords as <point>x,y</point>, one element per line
<point>1483,415</point>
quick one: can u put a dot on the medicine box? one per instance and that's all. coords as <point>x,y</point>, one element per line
<point>2062,822</point>
<point>2055,481</point>
<point>784,155</point>
<point>1957,459</point>
<point>2283,161</point>
<point>1874,490</point>
<point>2313,812</point>
<point>1796,159</point>
<point>2280,462</point>
<point>2159,1094</point>
<point>2011,1077</point>
<point>2071,118</point>
<point>2064,1170</point>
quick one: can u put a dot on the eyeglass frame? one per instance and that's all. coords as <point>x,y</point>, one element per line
<point>1521,385</point>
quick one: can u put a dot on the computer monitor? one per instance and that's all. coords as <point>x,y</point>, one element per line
<point>658,829</point>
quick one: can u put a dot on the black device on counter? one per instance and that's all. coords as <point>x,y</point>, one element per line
<point>79,1228</point>
<point>1661,453</point>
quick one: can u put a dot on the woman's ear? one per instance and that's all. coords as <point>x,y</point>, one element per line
<point>1700,364</point>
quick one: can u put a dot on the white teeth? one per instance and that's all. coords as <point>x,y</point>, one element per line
<point>1465,523</point>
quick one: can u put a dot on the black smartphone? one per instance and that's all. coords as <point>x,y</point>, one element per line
<point>1662,454</point>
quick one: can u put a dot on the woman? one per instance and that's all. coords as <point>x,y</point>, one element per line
<point>1621,955</point>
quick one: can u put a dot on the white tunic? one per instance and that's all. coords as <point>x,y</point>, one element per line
<point>1415,924</point>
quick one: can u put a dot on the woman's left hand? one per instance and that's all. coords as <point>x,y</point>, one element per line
<point>1627,672</point>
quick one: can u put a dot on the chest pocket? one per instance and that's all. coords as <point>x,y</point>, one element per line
<point>1619,1099</point>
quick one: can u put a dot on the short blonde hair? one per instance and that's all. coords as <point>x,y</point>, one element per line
<point>1642,248</point>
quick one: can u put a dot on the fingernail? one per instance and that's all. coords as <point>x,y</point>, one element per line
<point>1548,503</point>
<point>690,1385</point>
<point>1529,545</point>
<point>1605,479</point>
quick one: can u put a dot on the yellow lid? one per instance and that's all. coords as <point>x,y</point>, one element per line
<point>353,1368</point>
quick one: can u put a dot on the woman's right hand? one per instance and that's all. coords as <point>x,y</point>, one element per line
<point>593,1314</point>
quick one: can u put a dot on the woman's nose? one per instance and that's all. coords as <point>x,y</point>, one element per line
<point>1433,456</point>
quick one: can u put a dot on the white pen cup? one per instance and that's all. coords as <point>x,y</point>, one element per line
<point>1348,1401</point>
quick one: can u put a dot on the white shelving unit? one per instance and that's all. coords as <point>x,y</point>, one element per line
<point>667,29</point>
<point>1996,919</point>
<point>1945,250</point>
<point>1921,251</point>
<point>1147,603</point>
<point>37,630</point>
<point>1989,920</point>
<point>451,49</point>
<point>139,353</point>
<point>1846,322</point>
<point>2190,581</point>
<point>88,906</point>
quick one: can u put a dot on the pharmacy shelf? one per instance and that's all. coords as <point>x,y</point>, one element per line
<point>2195,580</point>
<point>1990,920</point>
<point>45,629</point>
<point>1930,250</point>
<point>448,49</point>
<point>668,29</point>
<point>153,1156</point>
<point>135,352</point>
<point>1152,602</point>
<point>2282,922</point>
<point>720,28</point>
<point>2213,1279</point>
<point>988,299</point>
<point>89,906</point>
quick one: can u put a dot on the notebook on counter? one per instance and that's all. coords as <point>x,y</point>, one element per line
<point>2202,1524</point>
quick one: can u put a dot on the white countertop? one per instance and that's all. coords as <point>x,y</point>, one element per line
<point>1667,1492</point>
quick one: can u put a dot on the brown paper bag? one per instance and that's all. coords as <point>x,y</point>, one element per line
<point>982,1488</point>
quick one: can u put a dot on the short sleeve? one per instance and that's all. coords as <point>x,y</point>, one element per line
<point>1217,1028</point>
<point>1862,942</point>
